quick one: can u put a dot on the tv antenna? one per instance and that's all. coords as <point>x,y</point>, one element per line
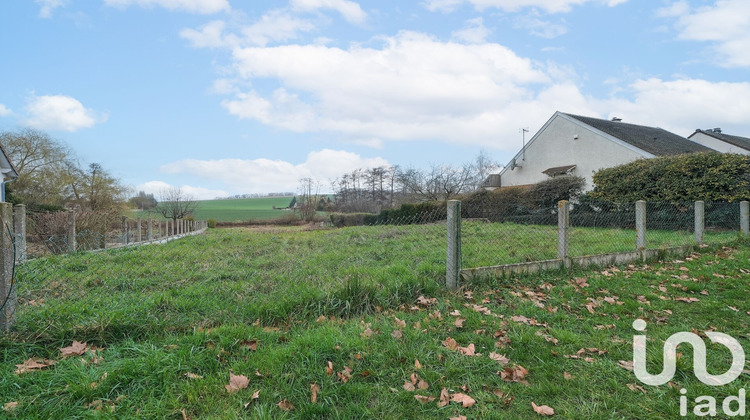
<point>523,132</point>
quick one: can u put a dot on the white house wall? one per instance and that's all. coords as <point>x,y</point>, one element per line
<point>717,144</point>
<point>556,146</point>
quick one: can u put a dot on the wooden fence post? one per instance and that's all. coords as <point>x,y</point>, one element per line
<point>19,231</point>
<point>8,296</point>
<point>453,263</point>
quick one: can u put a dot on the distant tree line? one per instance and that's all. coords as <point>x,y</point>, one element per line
<point>374,189</point>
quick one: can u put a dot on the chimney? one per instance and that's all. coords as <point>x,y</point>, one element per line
<point>717,130</point>
<point>616,119</point>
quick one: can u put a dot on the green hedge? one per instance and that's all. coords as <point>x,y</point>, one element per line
<point>711,176</point>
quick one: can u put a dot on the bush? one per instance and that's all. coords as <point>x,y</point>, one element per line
<point>211,223</point>
<point>711,176</point>
<point>348,219</point>
<point>408,214</point>
<point>549,192</point>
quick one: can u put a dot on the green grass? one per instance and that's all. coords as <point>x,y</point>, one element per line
<point>163,311</point>
<point>235,210</point>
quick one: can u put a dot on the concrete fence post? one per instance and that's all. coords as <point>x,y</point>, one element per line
<point>700,212</point>
<point>8,296</point>
<point>19,232</point>
<point>640,225</point>
<point>563,231</point>
<point>71,231</point>
<point>139,236</point>
<point>150,232</point>
<point>124,229</point>
<point>745,217</point>
<point>453,262</point>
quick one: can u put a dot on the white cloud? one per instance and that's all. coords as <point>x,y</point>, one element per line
<point>413,87</point>
<point>197,193</point>
<point>274,26</point>
<point>474,33</point>
<point>541,28</point>
<point>551,6</point>
<point>265,175</point>
<point>683,105</point>
<point>59,112</point>
<point>190,6</point>
<point>350,10</point>
<point>4,111</point>
<point>48,6</point>
<point>723,24</point>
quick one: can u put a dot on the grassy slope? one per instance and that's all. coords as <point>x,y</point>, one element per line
<point>161,312</point>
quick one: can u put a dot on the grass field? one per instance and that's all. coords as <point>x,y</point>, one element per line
<point>276,305</point>
<point>235,210</point>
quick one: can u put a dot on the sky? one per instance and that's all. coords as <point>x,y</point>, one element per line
<point>225,97</point>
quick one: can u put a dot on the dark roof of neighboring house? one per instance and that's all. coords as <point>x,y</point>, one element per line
<point>558,170</point>
<point>657,141</point>
<point>741,142</point>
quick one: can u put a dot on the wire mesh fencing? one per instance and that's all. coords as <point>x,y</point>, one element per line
<point>495,233</point>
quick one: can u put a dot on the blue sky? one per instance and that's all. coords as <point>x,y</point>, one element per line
<point>228,97</point>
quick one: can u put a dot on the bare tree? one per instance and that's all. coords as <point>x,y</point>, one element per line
<point>309,198</point>
<point>175,204</point>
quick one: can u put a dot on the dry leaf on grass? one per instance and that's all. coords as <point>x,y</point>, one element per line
<point>515,374</point>
<point>417,365</point>
<point>285,405</point>
<point>329,368</point>
<point>463,399</point>
<point>468,350</point>
<point>499,358</point>
<point>76,349</point>
<point>399,323</point>
<point>626,364</point>
<point>10,406</point>
<point>423,398</point>
<point>636,387</point>
<point>450,343</point>
<point>445,398</point>
<point>543,410</point>
<point>249,344</point>
<point>459,322</point>
<point>345,374</point>
<point>397,334</point>
<point>458,418</point>
<point>237,382</point>
<point>190,375</point>
<point>255,396</point>
<point>314,389</point>
<point>567,376</point>
<point>367,333</point>
<point>33,363</point>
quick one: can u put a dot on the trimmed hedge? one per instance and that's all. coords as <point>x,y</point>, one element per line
<point>711,176</point>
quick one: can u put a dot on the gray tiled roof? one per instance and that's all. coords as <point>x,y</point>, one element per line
<point>742,142</point>
<point>657,141</point>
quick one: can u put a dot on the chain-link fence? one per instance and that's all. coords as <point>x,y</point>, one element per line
<point>495,234</point>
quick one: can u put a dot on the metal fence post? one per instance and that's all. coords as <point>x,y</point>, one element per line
<point>8,295</point>
<point>150,234</point>
<point>640,225</point>
<point>745,217</point>
<point>19,231</point>
<point>699,221</point>
<point>453,262</point>
<point>71,231</point>
<point>563,231</point>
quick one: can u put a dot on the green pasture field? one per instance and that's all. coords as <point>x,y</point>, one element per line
<point>235,210</point>
<point>166,325</point>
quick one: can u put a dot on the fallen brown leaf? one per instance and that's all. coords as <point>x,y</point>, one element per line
<point>314,389</point>
<point>10,406</point>
<point>423,398</point>
<point>285,405</point>
<point>237,382</point>
<point>463,399</point>
<point>33,363</point>
<point>249,344</point>
<point>542,410</point>
<point>76,349</point>
<point>445,398</point>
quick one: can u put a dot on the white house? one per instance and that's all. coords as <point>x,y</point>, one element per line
<point>575,145</point>
<point>722,142</point>
<point>7,170</point>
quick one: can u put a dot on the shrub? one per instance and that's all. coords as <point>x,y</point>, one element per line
<point>547,193</point>
<point>348,219</point>
<point>711,176</point>
<point>211,223</point>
